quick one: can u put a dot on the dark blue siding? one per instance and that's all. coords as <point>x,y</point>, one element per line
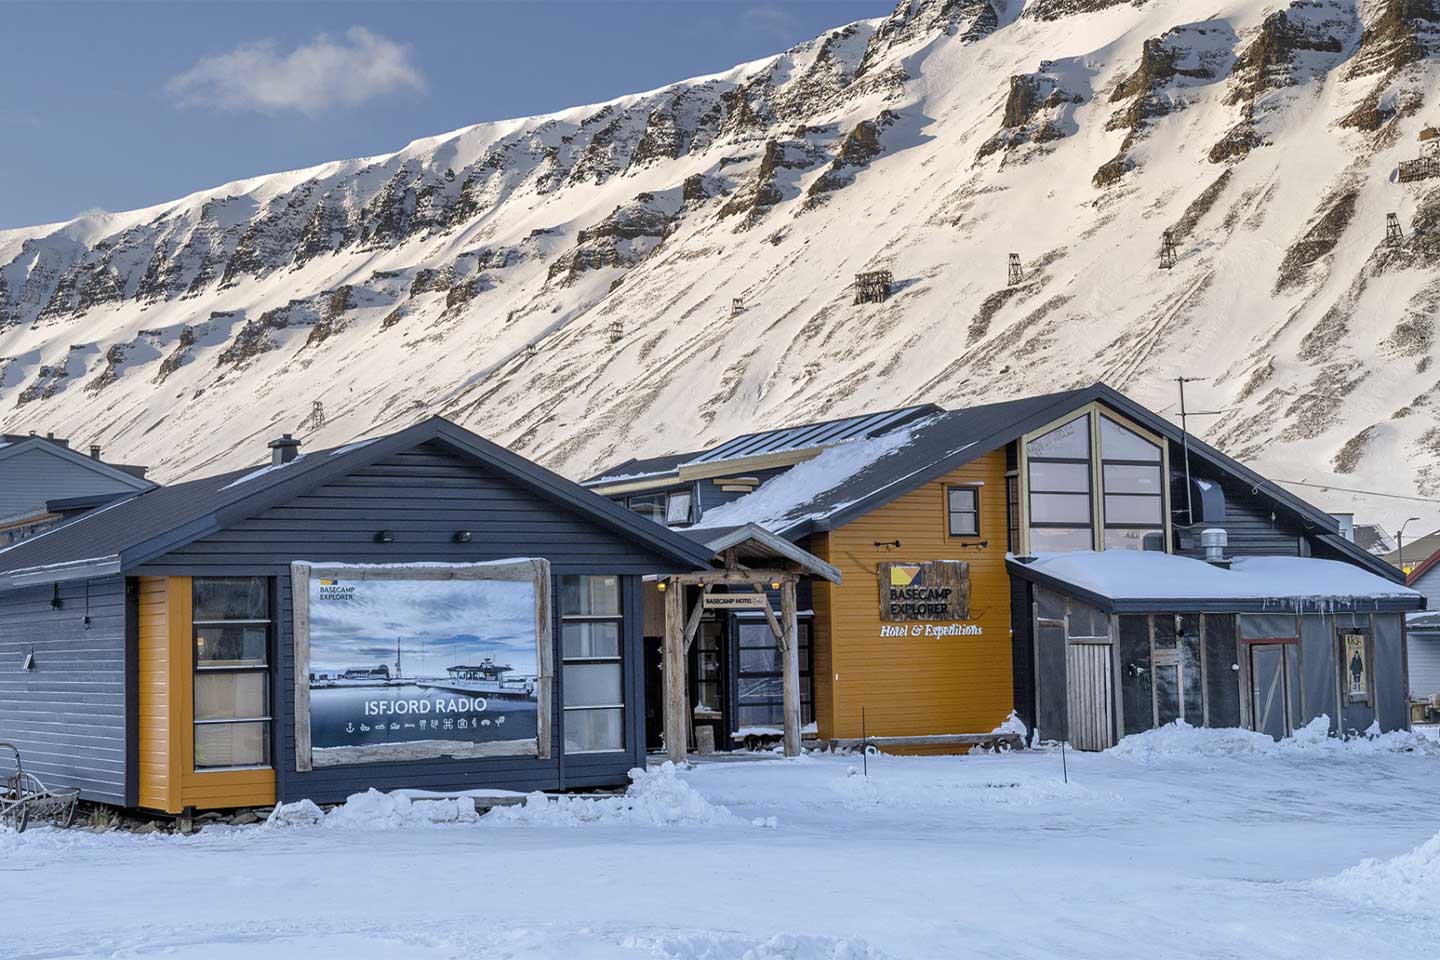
<point>424,497</point>
<point>68,715</point>
<point>1253,526</point>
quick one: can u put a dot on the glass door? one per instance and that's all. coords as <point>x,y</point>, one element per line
<point>708,685</point>
<point>1273,687</point>
<point>1175,663</point>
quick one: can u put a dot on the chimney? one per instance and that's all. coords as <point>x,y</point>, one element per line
<point>1214,541</point>
<point>284,450</point>
<point>94,451</point>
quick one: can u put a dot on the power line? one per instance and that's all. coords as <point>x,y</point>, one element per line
<point>1367,493</point>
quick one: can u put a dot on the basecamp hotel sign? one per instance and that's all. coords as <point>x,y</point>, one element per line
<point>936,590</point>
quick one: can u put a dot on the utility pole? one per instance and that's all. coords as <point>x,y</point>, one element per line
<point>1185,416</point>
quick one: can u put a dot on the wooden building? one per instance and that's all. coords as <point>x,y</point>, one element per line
<point>928,516</point>
<point>251,637</point>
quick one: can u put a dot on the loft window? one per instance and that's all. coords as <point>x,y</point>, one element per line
<point>231,627</point>
<point>1061,507</point>
<point>651,506</point>
<point>591,644</point>
<point>1131,478</point>
<point>962,504</point>
<point>677,509</point>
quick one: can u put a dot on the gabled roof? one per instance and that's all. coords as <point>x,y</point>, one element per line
<point>852,479</point>
<point>756,546</point>
<point>131,477</point>
<point>1415,548</point>
<point>1424,568</point>
<point>129,533</point>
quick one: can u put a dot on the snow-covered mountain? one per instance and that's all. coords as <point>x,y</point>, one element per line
<point>670,268</point>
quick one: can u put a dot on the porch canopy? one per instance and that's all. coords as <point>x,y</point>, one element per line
<point>1137,581</point>
<point>751,558</point>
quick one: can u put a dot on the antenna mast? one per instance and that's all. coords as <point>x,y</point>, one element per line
<point>1185,416</point>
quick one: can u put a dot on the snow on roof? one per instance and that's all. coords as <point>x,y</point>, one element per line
<point>1150,575</point>
<point>778,502</point>
<point>262,471</point>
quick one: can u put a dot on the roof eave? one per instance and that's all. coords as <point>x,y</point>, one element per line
<point>91,569</point>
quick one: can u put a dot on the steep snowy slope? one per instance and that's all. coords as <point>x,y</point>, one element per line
<point>673,267</point>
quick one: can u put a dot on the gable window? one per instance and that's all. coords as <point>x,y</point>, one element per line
<point>651,506</point>
<point>666,509</point>
<point>1058,465</point>
<point>962,504</point>
<point>1094,483</point>
<point>231,628</point>
<point>1131,476</point>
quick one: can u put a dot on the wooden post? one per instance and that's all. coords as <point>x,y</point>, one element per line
<point>790,650</point>
<point>674,674</point>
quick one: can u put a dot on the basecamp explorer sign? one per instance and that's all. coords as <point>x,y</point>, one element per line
<point>934,590</point>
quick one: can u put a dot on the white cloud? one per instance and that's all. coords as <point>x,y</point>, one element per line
<point>313,77</point>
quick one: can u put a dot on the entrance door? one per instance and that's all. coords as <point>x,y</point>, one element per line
<point>708,687</point>
<point>1175,665</point>
<point>1091,695</point>
<point>1272,685</point>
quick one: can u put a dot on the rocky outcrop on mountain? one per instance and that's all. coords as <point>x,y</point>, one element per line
<point>1321,238</point>
<point>1183,57</point>
<point>772,183</point>
<point>1058,9</point>
<point>1039,110</point>
<point>860,146</point>
<point>624,238</point>
<point>1398,34</point>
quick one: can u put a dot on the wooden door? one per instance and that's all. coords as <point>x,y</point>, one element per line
<point>1091,695</point>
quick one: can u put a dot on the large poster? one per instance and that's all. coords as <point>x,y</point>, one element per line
<point>406,664</point>
<point>1355,667</point>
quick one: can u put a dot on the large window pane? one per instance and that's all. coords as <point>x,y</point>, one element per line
<point>592,730</point>
<point>762,688</point>
<point>1118,443</point>
<point>761,715</point>
<point>1060,477</point>
<point>1059,508</point>
<point>590,596</point>
<point>238,646</point>
<point>1128,478</point>
<point>1134,509</point>
<point>592,684</point>
<point>232,744</point>
<point>1060,539</point>
<point>231,598</point>
<point>583,641</point>
<point>1070,440</point>
<point>760,660</point>
<point>229,696</point>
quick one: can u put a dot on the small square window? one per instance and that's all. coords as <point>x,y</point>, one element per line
<point>677,510</point>
<point>963,507</point>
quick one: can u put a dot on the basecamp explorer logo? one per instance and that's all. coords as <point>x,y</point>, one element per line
<point>335,590</point>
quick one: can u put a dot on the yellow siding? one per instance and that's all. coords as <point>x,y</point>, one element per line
<point>912,686</point>
<point>168,779</point>
<point>156,780</point>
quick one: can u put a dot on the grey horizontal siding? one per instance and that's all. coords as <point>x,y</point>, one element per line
<point>68,715</point>
<point>1424,650</point>
<point>424,497</point>
<point>32,477</point>
<point>1252,526</point>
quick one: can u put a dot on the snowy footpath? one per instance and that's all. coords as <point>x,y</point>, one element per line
<point>1178,843</point>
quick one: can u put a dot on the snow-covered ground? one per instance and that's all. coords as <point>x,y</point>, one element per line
<point>1179,844</point>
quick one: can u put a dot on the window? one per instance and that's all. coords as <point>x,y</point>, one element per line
<point>591,641</point>
<point>1134,497</point>
<point>651,506</point>
<point>1065,508</point>
<point>231,625</point>
<point>666,509</point>
<point>761,675</point>
<point>963,506</point>
<point>1058,465</point>
<point>677,509</point>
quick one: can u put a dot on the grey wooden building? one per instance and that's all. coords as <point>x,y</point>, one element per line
<point>422,610</point>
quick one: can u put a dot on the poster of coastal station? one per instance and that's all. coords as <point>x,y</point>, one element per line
<point>422,669</point>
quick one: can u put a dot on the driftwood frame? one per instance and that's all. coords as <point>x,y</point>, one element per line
<point>536,571</point>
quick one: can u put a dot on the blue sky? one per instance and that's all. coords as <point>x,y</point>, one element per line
<point>116,105</point>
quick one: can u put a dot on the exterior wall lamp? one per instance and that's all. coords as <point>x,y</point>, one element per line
<point>55,602</point>
<point>462,536</point>
<point>385,536</point>
<point>895,544</point>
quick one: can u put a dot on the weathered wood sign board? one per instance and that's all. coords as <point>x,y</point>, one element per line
<point>934,590</point>
<point>735,601</point>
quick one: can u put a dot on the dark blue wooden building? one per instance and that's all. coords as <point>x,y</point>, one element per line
<point>470,620</point>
